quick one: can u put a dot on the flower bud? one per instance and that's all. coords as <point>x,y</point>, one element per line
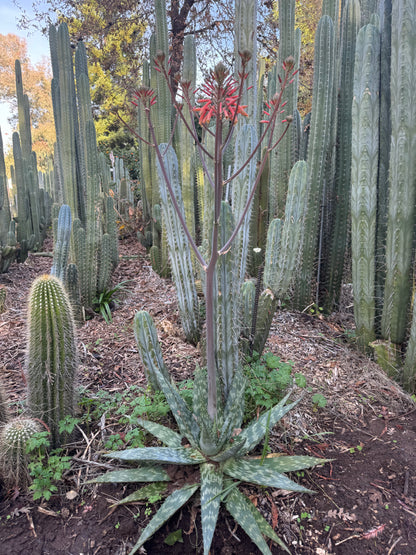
<point>245,56</point>
<point>220,73</point>
<point>289,63</point>
<point>160,57</point>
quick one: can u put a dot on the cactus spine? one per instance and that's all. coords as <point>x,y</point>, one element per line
<point>51,362</point>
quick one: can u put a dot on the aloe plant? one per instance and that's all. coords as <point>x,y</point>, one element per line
<point>210,434</point>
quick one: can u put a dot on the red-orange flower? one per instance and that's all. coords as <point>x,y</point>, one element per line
<point>221,99</point>
<point>144,95</point>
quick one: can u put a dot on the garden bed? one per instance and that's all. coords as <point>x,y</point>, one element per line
<point>366,497</point>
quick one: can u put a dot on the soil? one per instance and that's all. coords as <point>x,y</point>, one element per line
<point>365,500</point>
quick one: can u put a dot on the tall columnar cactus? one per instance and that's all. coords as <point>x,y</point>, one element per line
<point>5,214</point>
<point>245,39</point>
<point>368,8</point>
<point>62,243</point>
<point>51,362</point>
<point>318,145</point>
<point>364,172</point>
<point>7,239</point>
<point>185,144</point>
<point>178,248</point>
<point>284,239</point>
<point>401,214</point>
<point>27,179</point>
<point>14,460</point>
<point>281,158</point>
<point>384,154</point>
<point>85,184</point>
<point>333,264</point>
<point>159,49</point>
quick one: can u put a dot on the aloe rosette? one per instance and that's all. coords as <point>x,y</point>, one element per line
<point>219,449</point>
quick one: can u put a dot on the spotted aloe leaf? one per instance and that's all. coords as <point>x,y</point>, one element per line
<point>166,435</point>
<point>255,432</point>
<point>145,473</point>
<point>238,509</point>
<point>286,463</point>
<point>232,450</point>
<point>211,488</point>
<point>150,490</point>
<point>151,354</point>
<point>171,504</point>
<point>262,523</point>
<point>251,471</point>
<point>161,455</point>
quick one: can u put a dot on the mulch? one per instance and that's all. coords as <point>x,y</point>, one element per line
<point>366,497</point>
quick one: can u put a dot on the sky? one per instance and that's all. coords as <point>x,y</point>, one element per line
<point>38,46</point>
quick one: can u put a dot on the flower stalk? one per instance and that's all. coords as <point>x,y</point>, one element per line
<point>221,102</point>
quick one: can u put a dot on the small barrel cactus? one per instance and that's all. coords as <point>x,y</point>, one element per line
<point>52,354</point>
<point>14,437</point>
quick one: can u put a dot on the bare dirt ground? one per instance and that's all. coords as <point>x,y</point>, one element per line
<point>365,499</point>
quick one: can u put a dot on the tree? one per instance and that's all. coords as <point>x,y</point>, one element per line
<point>116,37</point>
<point>36,83</point>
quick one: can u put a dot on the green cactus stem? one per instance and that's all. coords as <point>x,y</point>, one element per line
<point>62,243</point>
<point>402,191</point>
<point>334,261</point>
<point>14,460</point>
<point>364,170</point>
<point>318,145</point>
<point>51,362</point>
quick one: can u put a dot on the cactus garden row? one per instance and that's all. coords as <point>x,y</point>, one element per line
<point>248,208</point>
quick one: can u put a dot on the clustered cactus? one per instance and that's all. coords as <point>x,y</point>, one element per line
<point>382,205</point>
<point>82,178</point>
<point>33,202</point>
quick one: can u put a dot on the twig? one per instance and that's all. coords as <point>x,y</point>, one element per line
<point>406,483</point>
<point>102,465</point>
<point>394,545</point>
<point>31,525</point>
<point>354,536</point>
<point>406,508</point>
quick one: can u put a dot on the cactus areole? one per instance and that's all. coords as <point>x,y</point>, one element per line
<point>219,107</point>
